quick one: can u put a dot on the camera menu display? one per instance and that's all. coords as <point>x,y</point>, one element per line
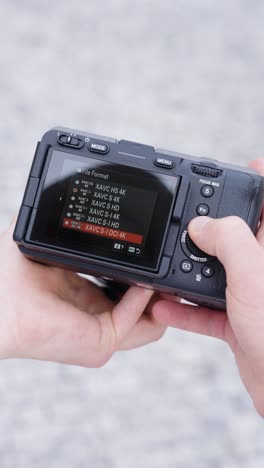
<point>103,209</point>
<point>97,205</point>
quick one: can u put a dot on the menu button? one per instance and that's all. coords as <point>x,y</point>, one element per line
<point>164,162</point>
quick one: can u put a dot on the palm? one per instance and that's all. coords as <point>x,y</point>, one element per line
<point>57,315</point>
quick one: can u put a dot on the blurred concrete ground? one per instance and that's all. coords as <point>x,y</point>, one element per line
<point>183,75</point>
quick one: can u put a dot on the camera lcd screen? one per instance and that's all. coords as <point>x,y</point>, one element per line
<point>102,209</point>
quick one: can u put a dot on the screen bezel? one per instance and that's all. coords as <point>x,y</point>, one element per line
<point>158,230</point>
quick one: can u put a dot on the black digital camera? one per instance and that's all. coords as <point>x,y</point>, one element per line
<point>120,210</point>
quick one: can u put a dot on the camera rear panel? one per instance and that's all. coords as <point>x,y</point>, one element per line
<point>120,210</point>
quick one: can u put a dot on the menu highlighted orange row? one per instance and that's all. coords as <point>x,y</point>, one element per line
<point>102,231</point>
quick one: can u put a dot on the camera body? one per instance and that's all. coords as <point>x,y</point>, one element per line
<point>119,210</point>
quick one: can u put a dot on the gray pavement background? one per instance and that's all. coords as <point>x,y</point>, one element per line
<point>184,75</point>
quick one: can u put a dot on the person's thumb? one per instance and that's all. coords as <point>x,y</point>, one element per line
<point>232,242</point>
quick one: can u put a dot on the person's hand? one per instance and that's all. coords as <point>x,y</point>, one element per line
<point>55,315</point>
<point>242,255</point>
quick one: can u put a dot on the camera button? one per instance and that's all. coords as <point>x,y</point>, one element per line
<point>98,148</point>
<point>202,209</point>
<point>75,141</point>
<point>68,140</point>
<point>207,271</point>
<point>186,266</point>
<point>164,162</point>
<point>207,191</point>
<point>63,139</point>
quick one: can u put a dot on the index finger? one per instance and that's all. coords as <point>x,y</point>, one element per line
<point>127,312</point>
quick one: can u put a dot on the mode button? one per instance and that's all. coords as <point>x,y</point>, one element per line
<point>164,162</point>
<point>98,148</point>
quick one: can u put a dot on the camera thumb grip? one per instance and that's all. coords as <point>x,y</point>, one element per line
<point>233,243</point>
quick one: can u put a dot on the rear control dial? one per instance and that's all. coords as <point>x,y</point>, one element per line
<point>191,249</point>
